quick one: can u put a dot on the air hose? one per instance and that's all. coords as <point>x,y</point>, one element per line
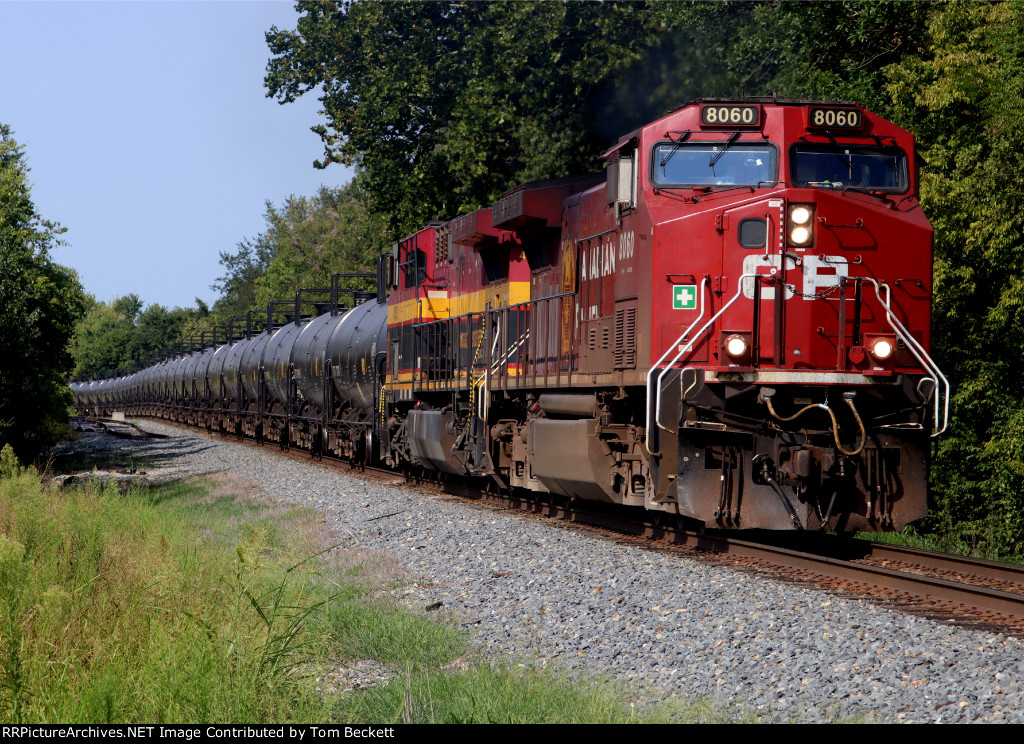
<point>835,423</point>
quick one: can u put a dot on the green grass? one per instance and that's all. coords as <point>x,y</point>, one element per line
<point>77,462</point>
<point>162,604</point>
<point>909,537</point>
<point>501,693</point>
<point>187,603</point>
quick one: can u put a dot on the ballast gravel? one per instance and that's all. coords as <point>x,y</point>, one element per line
<point>540,593</point>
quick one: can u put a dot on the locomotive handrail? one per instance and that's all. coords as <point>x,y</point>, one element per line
<point>496,366</point>
<point>911,343</point>
<point>703,284</point>
<point>689,346</point>
<point>920,354</point>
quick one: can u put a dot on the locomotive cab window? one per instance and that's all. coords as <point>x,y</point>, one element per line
<point>842,166</point>
<point>415,268</point>
<point>714,164</point>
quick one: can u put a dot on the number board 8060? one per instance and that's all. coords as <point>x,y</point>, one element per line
<point>730,116</point>
<point>834,118</point>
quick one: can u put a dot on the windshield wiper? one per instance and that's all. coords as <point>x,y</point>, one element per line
<point>676,144</point>
<point>844,157</point>
<point>702,191</point>
<point>728,143</point>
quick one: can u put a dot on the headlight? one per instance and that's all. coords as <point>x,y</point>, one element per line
<point>736,346</point>
<point>882,348</point>
<point>801,224</point>
<point>800,235</point>
<point>800,215</point>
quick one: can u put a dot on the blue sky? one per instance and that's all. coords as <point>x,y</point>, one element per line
<point>150,137</point>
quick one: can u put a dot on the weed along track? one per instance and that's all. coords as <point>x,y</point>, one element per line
<point>543,596</point>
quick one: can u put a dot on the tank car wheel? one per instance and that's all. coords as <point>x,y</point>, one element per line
<point>366,446</point>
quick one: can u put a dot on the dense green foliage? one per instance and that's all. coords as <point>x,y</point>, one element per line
<point>963,100</point>
<point>181,603</point>
<point>119,334</point>
<point>39,304</point>
<point>307,239</point>
<point>443,106</point>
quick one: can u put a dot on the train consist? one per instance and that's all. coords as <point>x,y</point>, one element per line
<point>731,323</point>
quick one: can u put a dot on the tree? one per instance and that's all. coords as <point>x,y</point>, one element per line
<point>113,337</point>
<point>243,268</point>
<point>39,304</point>
<point>833,50</point>
<point>445,105</point>
<point>101,340</point>
<point>307,239</point>
<point>156,328</point>
<point>314,237</point>
<point>963,98</point>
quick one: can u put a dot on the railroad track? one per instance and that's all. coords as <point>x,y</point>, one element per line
<point>948,587</point>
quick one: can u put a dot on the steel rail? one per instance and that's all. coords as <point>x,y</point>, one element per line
<point>926,587</point>
<point>945,562</point>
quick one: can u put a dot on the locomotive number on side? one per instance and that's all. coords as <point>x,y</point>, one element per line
<point>730,116</point>
<point>832,118</point>
<point>626,242</point>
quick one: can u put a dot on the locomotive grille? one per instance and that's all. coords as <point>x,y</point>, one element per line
<point>625,338</point>
<point>599,338</point>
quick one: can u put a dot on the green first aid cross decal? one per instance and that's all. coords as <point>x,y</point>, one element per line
<point>684,297</point>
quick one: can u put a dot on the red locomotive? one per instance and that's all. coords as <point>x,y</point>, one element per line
<point>730,324</point>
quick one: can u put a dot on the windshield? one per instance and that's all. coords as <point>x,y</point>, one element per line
<point>714,164</point>
<point>847,166</point>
